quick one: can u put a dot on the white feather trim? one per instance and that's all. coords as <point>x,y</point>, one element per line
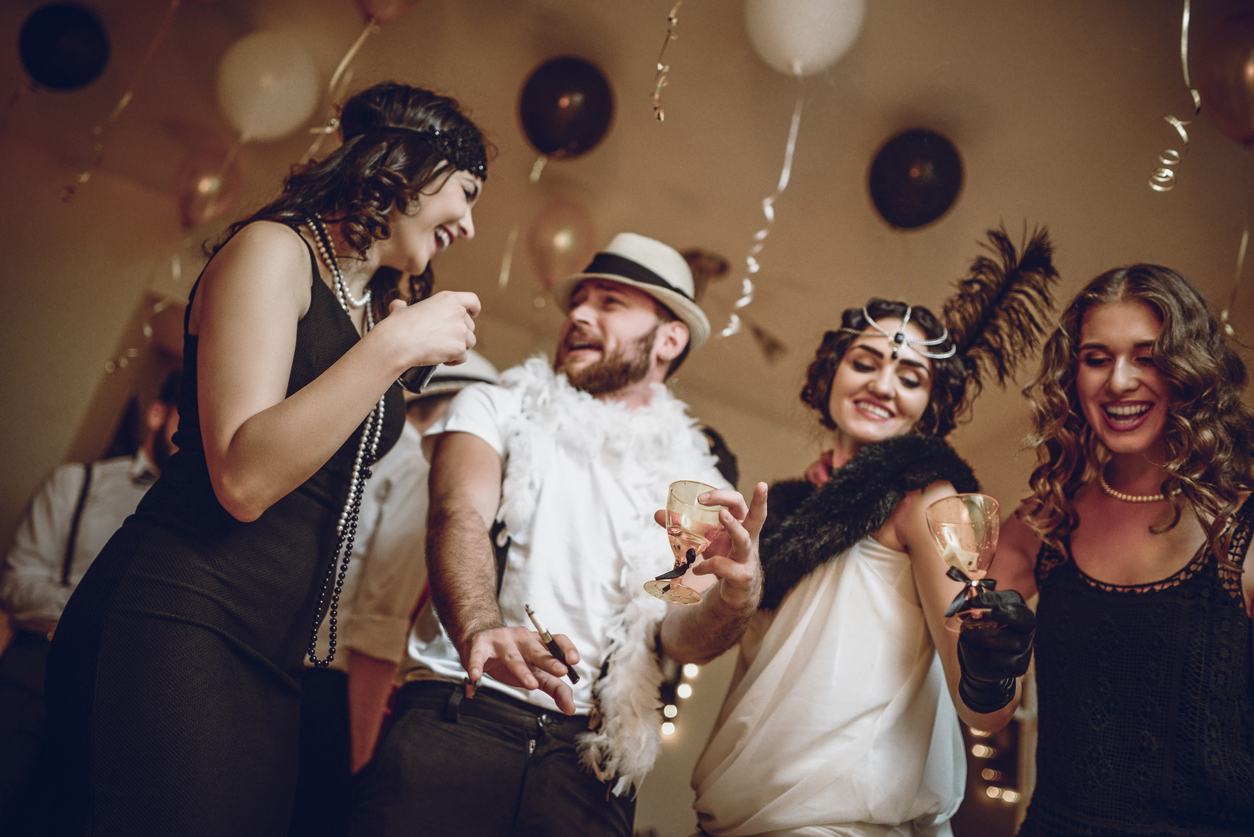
<point>647,445</point>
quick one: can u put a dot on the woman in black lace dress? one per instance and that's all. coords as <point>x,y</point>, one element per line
<point>173,697</point>
<point>1135,537</point>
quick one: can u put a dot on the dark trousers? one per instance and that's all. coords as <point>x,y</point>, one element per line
<point>22,731</point>
<point>324,783</point>
<point>490,766</point>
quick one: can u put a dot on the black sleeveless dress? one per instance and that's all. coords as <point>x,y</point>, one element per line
<point>1146,701</point>
<point>173,678</point>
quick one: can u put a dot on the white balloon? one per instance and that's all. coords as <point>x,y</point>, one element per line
<point>803,37</point>
<point>267,85</point>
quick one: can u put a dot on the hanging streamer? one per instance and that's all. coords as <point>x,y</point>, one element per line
<point>98,132</point>
<point>1163,178</point>
<point>1225,314</point>
<point>507,259</point>
<point>339,81</point>
<point>768,209</point>
<point>662,69</point>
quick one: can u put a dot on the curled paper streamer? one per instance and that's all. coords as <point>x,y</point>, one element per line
<point>339,80</point>
<point>662,69</point>
<point>1163,178</point>
<point>768,209</point>
<point>98,132</point>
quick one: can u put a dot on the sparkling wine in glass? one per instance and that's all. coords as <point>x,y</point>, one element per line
<point>690,526</point>
<point>964,528</point>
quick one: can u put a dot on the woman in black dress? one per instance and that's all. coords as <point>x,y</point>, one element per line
<point>1135,537</point>
<point>173,677</point>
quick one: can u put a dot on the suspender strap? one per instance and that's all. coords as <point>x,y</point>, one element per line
<point>78,515</point>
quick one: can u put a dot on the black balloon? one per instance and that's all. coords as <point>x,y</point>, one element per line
<point>63,46</point>
<point>914,178</point>
<point>566,107</point>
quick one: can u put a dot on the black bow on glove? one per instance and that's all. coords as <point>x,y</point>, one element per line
<point>963,600</point>
<point>994,650</point>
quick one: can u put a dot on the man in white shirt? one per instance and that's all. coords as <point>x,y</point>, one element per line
<point>565,468</point>
<point>70,518</point>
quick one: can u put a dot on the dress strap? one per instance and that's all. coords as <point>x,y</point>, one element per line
<point>315,276</point>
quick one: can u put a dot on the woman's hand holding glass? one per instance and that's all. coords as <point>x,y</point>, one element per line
<point>439,329</point>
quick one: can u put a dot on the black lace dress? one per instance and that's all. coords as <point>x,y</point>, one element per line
<point>1146,701</point>
<point>173,680</point>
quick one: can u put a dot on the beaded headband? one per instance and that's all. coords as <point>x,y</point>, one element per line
<point>462,147</point>
<point>899,338</point>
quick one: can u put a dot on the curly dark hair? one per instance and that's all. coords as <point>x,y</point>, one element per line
<point>1209,432</point>
<point>397,142</point>
<point>947,399</point>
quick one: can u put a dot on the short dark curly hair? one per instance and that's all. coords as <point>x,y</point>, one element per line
<point>397,141</point>
<point>947,399</point>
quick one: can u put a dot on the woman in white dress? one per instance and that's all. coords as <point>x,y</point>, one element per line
<point>840,717</point>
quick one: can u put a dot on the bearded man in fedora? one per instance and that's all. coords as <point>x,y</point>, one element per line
<point>543,493</point>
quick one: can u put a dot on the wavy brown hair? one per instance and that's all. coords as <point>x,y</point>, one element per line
<point>399,143</point>
<point>947,399</point>
<point>1209,431</point>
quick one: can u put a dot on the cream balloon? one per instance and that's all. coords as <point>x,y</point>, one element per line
<point>561,239</point>
<point>803,37</point>
<point>267,85</point>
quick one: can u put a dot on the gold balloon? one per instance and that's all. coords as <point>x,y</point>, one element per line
<point>561,240</point>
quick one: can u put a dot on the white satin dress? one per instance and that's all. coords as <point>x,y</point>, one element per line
<point>838,721</point>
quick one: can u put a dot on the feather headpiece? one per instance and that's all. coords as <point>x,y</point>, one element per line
<point>997,316</point>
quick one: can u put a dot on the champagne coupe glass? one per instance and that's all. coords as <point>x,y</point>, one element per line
<point>690,526</point>
<point>964,528</point>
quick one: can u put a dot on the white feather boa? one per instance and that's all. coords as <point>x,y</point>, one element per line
<point>646,446</point>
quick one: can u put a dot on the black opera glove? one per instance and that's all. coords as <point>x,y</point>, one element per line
<point>995,650</point>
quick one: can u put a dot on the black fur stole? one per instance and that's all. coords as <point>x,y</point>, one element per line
<point>808,527</point>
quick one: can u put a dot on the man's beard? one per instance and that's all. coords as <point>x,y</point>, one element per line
<point>616,371</point>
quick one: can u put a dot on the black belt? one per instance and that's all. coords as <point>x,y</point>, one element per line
<point>449,699</point>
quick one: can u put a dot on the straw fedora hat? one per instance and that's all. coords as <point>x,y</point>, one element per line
<point>650,266</point>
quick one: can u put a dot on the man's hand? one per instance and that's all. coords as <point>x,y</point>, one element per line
<point>517,657</point>
<point>699,634</point>
<point>732,557</point>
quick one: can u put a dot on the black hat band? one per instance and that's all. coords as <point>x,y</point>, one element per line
<point>629,269</point>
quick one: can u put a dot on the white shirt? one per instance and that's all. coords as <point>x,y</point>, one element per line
<point>838,720</point>
<point>582,481</point>
<point>30,580</point>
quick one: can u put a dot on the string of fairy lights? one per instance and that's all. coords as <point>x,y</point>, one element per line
<point>675,688</point>
<point>986,753</point>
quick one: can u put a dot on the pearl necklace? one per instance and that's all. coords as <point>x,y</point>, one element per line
<point>367,454</point>
<point>326,249</point>
<point>1127,498</point>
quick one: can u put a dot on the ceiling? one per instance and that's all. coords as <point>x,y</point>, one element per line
<point>1056,108</point>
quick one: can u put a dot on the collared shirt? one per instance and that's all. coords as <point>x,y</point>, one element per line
<point>30,579</point>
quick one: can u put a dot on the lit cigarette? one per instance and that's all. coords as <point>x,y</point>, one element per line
<point>551,644</point>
